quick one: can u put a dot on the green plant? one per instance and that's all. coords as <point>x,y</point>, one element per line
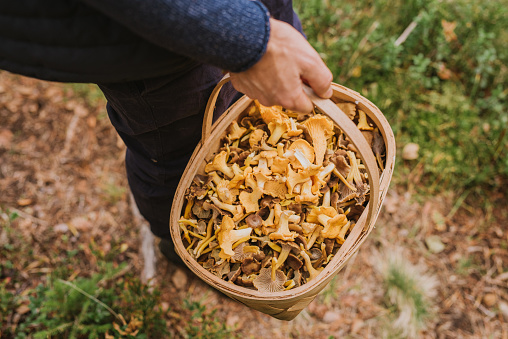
<point>442,86</point>
<point>203,324</point>
<point>91,307</point>
<point>409,291</point>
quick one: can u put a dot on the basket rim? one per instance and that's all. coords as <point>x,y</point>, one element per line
<point>337,262</point>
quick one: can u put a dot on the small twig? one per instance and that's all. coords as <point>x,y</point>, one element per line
<point>400,40</point>
<point>91,297</point>
<point>31,217</point>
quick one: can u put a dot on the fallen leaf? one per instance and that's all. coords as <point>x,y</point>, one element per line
<point>5,138</point>
<point>489,299</point>
<point>434,244</point>
<point>22,309</point>
<point>444,73</point>
<point>331,317</point>
<point>24,202</point>
<point>179,279</point>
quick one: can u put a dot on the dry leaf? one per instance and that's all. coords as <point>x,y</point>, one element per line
<point>448,30</point>
<point>444,73</point>
<point>24,202</point>
<point>5,138</point>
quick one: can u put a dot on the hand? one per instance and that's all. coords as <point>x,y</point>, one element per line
<point>289,62</point>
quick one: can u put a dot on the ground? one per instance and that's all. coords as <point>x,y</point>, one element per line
<point>62,172</point>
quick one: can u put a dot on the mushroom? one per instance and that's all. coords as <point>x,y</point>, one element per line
<point>329,244</point>
<point>226,194</point>
<point>320,129</point>
<point>250,265</point>
<point>315,234</point>
<point>342,234</point>
<point>219,163</point>
<point>363,125</point>
<point>234,274</point>
<point>293,129</point>
<point>332,225</point>
<point>305,149</point>
<point>275,189</point>
<point>294,262</point>
<point>244,281</point>
<point>235,131</point>
<point>339,159</point>
<point>220,269</point>
<point>286,248</point>
<point>235,210</point>
<point>293,178</point>
<point>349,108</point>
<point>306,194</point>
<point>201,209</point>
<point>269,279</point>
<point>227,236</point>
<point>278,122</point>
<point>279,165</point>
<point>312,217</point>
<point>378,146</point>
<point>250,200</point>
<point>283,232</point>
<point>254,221</point>
<point>326,198</point>
<point>308,265</point>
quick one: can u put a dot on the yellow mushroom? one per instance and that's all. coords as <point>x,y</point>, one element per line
<point>306,150</point>
<point>227,236</point>
<point>236,210</point>
<point>293,178</point>
<point>320,129</point>
<point>293,131</point>
<point>219,163</point>
<point>308,264</point>
<point>306,194</point>
<point>283,232</point>
<point>332,225</point>
<point>250,200</point>
<point>363,125</point>
<point>277,121</point>
<point>235,131</point>
<point>349,108</point>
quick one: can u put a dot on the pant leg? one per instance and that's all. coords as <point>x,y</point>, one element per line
<point>160,122</point>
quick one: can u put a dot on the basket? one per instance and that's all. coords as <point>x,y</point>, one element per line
<point>286,305</point>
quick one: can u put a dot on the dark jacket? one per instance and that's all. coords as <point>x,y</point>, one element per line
<point>105,41</point>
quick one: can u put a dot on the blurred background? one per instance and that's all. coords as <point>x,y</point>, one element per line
<point>436,266</point>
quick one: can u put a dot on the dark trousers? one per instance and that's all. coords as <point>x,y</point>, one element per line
<point>160,121</point>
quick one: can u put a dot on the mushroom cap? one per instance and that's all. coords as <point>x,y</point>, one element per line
<point>235,131</point>
<point>256,137</point>
<point>250,265</point>
<point>250,200</point>
<point>312,217</point>
<point>320,129</point>
<point>363,124</point>
<point>293,262</point>
<point>333,226</point>
<point>305,148</point>
<point>227,236</point>
<point>275,189</point>
<point>254,221</point>
<point>349,108</point>
<point>263,282</point>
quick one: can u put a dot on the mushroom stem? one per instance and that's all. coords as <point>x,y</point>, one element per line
<point>308,264</point>
<point>238,242</point>
<point>203,245</point>
<point>188,209</point>
<point>290,285</point>
<point>314,236</point>
<point>274,267</point>
<point>283,255</point>
<point>341,177</point>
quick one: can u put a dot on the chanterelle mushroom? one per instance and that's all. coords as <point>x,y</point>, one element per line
<point>283,232</point>
<point>277,122</point>
<point>235,131</point>
<point>332,225</point>
<point>320,129</point>
<point>219,163</point>
<point>227,236</point>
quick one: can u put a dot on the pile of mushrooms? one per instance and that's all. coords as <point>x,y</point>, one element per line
<point>279,198</point>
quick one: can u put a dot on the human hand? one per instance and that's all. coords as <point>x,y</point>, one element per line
<point>278,77</point>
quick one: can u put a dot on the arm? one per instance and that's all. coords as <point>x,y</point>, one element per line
<point>269,59</point>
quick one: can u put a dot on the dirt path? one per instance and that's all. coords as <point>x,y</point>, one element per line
<point>61,171</point>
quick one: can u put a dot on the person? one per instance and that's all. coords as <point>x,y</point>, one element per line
<point>157,61</point>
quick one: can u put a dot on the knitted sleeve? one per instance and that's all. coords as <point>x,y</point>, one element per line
<point>230,34</point>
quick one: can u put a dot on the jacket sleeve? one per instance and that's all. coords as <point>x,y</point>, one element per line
<point>230,34</point>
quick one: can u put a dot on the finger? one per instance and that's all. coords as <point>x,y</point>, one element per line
<point>298,101</point>
<point>319,79</point>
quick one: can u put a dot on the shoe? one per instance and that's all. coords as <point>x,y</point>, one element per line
<point>167,249</point>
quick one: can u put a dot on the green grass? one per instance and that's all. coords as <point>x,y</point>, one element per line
<point>459,119</point>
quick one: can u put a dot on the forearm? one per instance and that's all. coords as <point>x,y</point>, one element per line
<point>229,34</point>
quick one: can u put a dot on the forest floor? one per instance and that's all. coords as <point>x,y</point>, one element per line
<point>62,175</point>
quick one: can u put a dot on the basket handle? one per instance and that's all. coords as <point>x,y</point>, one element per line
<point>210,108</point>
<point>340,118</point>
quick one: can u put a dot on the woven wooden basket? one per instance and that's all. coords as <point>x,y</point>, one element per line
<point>286,305</point>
